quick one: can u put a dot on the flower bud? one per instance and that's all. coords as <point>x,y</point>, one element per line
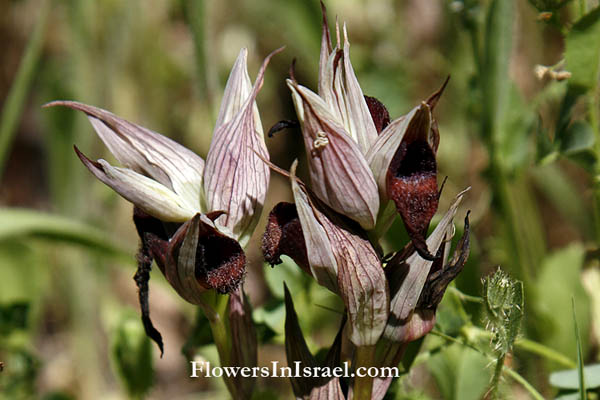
<point>132,355</point>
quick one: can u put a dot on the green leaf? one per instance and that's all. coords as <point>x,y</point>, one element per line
<point>24,275</point>
<point>460,373</point>
<point>578,137</point>
<point>569,379</point>
<point>200,335</point>
<point>516,146</point>
<point>558,280</point>
<point>410,354</point>
<point>545,148</point>
<point>24,223</point>
<point>565,112</point>
<point>569,396</point>
<point>287,272</point>
<point>495,80</point>
<point>58,396</point>
<point>560,191</point>
<point>132,355</point>
<point>264,333</point>
<point>18,378</point>
<point>583,51</point>
<point>296,349</point>
<point>13,317</point>
<point>271,314</point>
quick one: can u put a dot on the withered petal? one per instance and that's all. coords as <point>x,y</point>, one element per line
<point>438,280</point>
<point>407,277</point>
<point>142,275</point>
<point>158,249</point>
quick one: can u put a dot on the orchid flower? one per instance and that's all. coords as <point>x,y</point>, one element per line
<point>358,160</point>
<point>193,217</point>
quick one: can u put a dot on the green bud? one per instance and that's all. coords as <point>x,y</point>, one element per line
<point>504,305</point>
<point>132,355</point>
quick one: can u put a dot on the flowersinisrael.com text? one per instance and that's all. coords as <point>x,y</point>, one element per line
<point>205,370</point>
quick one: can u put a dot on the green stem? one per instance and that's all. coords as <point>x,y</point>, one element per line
<point>518,378</point>
<point>13,105</point>
<point>594,114</point>
<point>526,345</point>
<point>544,351</point>
<point>363,385</point>
<point>215,309</point>
<point>493,393</point>
<point>198,15</point>
<point>511,219</point>
<point>463,296</point>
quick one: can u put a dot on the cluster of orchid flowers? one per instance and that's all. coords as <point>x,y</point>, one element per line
<point>195,217</point>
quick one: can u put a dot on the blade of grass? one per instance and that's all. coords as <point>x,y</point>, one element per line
<point>582,392</point>
<point>13,105</point>
<point>21,222</point>
<point>196,12</point>
<point>495,86</point>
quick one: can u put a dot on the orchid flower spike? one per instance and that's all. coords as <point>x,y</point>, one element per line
<point>360,162</point>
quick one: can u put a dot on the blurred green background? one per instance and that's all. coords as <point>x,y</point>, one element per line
<point>526,146</point>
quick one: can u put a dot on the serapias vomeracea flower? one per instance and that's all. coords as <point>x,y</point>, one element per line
<point>193,217</point>
<point>362,169</point>
<point>388,303</point>
<point>360,163</point>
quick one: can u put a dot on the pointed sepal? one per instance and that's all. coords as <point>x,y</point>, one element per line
<point>145,193</point>
<point>147,153</point>
<point>339,173</point>
<point>235,178</point>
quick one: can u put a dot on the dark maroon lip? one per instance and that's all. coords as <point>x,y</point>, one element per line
<point>284,236</point>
